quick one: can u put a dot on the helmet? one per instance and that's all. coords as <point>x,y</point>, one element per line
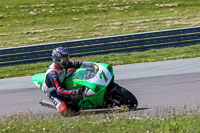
<point>60,56</point>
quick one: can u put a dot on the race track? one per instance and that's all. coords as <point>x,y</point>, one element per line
<point>157,86</point>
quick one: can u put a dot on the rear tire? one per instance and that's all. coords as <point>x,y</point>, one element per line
<point>123,97</point>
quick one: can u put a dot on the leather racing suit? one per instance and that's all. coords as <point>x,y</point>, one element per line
<point>53,86</point>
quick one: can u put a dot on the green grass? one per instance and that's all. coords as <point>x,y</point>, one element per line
<point>25,22</point>
<point>109,123</point>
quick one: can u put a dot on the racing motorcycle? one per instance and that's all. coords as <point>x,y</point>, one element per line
<point>100,90</point>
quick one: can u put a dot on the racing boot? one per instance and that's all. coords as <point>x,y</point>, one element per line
<point>62,108</point>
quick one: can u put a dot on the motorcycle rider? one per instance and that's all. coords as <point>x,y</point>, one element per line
<point>53,86</point>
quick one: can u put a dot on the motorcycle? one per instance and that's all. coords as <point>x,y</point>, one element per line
<point>100,90</point>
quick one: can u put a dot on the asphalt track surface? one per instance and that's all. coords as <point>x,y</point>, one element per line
<point>158,86</point>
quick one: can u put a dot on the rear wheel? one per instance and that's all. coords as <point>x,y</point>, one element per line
<point>121,96</point>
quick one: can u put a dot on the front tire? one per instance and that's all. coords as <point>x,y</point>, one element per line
<point>121,96</point>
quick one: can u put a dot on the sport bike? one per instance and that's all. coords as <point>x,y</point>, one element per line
<point>100,90</point>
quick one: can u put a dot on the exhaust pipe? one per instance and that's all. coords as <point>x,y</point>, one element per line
<point>47,104</point>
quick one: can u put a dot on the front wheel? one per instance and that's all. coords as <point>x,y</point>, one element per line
<point>121,96</point>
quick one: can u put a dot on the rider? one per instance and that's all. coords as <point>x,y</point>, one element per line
<point>53,86</point>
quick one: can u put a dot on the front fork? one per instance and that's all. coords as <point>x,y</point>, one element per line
<point>112,101</point>
<point>108,95</point>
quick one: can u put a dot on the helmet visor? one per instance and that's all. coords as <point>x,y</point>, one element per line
<point>64,60</point>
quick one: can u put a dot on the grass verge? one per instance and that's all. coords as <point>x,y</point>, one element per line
<point>110,123</point>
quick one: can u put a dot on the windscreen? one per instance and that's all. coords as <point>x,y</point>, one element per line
<point>86,71</point>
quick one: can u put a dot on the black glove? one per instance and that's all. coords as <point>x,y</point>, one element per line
<point>78,91</point>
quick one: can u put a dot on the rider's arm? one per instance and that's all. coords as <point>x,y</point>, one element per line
<point>53,76</point>
<point>75,64</point>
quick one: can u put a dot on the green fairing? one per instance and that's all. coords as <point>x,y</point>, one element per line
<point>39,79</point>
<point>96,100</point>
<point>75,80</point>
